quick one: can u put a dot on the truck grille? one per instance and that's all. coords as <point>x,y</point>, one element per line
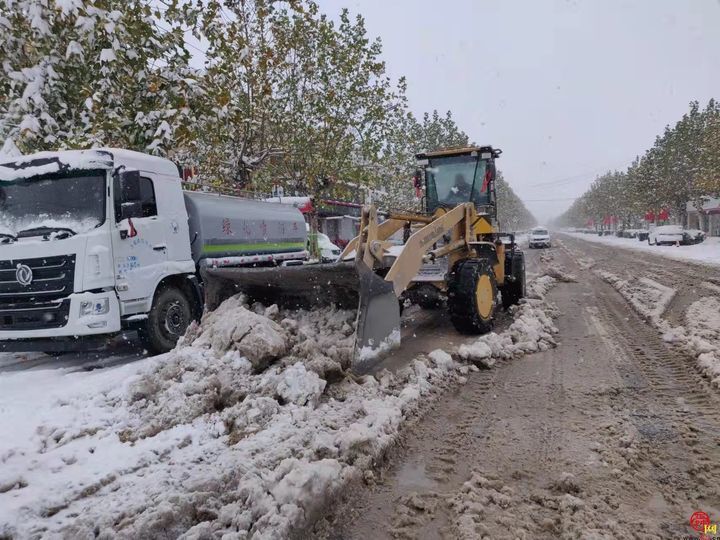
<point>39,304</point>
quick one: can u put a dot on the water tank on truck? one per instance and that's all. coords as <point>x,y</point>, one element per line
<point>231,231</point>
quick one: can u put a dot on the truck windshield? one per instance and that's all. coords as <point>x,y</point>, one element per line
<point>456,179</point>
<point>74,202</point>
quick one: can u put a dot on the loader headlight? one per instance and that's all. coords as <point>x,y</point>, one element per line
<point>95,307</point>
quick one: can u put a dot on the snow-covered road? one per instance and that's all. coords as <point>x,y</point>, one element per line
<point>613,434</point>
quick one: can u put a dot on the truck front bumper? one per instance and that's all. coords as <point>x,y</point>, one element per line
<point>77,326</point>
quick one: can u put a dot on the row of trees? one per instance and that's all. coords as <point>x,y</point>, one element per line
<point>283,95</point>
<point>512,213</point>
<point>682,166</point>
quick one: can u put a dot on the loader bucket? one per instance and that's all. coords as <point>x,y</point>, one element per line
<point>305,286</point>
<point>348,285</point>
<point>378,318</point>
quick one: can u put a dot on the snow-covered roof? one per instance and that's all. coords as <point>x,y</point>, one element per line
<point>142,162</point>
<point>709,203</point>
<point>51,162</point>
<point>15,168</point>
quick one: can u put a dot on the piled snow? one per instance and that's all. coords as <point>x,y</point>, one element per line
<point>708,252</point>
<point>559,273</point>
<point>232,325</point>
<point>299,386</point>
<point>206,440</point>
<point>648,297</point>
<point>538,288</point>
<point>701,336</point>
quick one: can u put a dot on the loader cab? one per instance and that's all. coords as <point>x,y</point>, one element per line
<point>457,176</point>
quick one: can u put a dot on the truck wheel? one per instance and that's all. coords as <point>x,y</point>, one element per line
<point>167,321</point>
<point>472,291</point>
<point>513,291</point>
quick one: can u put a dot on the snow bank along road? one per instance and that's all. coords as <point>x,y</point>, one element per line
<point>613,434</point>
<point>707,252</point>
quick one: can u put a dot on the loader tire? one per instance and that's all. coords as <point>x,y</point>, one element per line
<point>514,290</point>
<point>472,296</point>
<point>167,321</point>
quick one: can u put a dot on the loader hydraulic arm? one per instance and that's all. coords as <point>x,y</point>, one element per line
<point>382,282</point>
<point>373,245</point>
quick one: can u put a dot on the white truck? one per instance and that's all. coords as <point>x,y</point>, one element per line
<point>97,241</point>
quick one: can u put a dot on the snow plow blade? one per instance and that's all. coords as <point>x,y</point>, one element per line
<point>304,286</point>
<point>378,319</point>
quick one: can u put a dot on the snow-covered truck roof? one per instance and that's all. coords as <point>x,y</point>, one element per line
<point>40,163</point>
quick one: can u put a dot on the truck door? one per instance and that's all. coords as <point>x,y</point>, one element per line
<point>139,241</point>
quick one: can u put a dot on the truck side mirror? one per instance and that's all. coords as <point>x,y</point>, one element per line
<point>130,186</point>
<point>128,198</point>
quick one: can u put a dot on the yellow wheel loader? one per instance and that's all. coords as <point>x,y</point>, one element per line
<point>456,235</point>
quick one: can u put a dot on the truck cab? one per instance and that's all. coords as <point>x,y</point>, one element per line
<point>91,242</point>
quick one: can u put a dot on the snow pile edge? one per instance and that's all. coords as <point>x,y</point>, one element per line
<point>701,338</point>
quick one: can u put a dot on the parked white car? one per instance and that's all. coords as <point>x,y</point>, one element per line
<point>329,252</point>
<point>539,237</point>
<point>666,234</point>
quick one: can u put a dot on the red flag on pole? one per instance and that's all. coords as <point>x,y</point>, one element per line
<point>486,182</point>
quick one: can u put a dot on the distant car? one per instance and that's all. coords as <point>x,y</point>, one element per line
<point>666,234</point>
<point>539,237</point>
<point>694,236</point>
<point>329,252</point>
<point>630,233</point>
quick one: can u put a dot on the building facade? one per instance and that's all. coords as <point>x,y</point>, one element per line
<point>706,219</point>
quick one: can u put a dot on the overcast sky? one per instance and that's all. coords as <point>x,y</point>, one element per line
<point>568,89</point>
